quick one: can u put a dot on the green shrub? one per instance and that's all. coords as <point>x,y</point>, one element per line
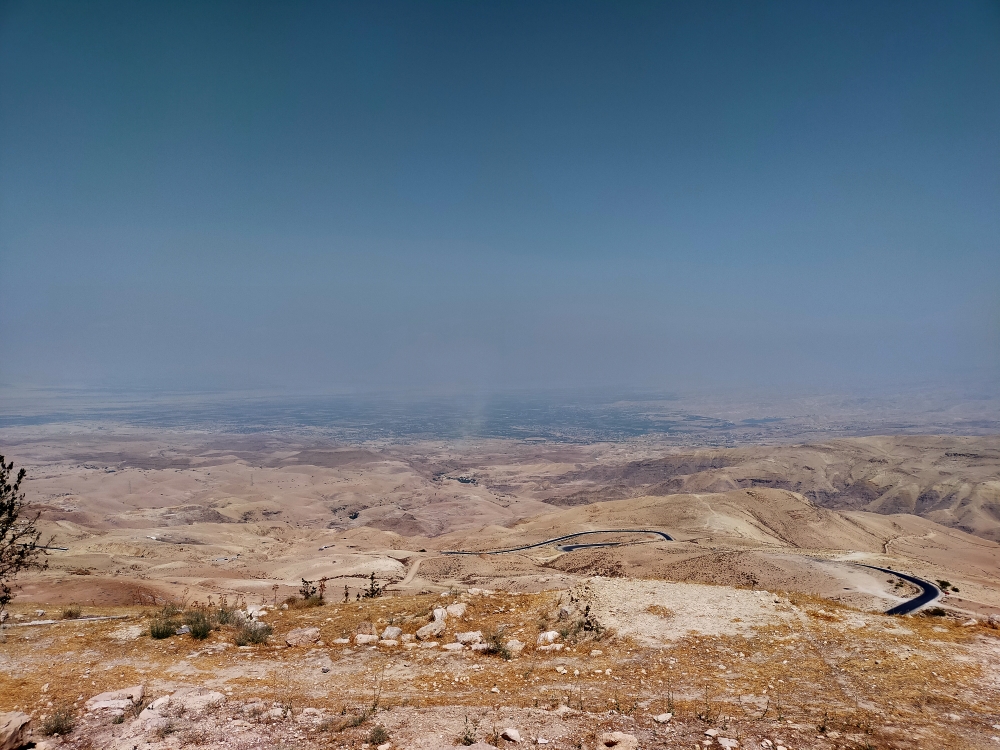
<point>378,736</point>
<point>496,646</point>
<point>199,623</point>
<point>160,628</point>
<point>252,633</point>
<point>60,721</point>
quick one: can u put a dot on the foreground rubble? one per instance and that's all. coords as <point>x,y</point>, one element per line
<point>608,664</point>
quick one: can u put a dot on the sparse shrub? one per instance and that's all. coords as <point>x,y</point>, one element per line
<point>468,734</point>
<point>307,589</point>
<point>374,588</point>
<point>166,730</point>
<point>378,736</point>
<point>71,612</point>
<point>61,722</point>
<point>160,628</point>
<point>118,719</point>
<point>226,614</point>
<point>935,612</point>
<point>252,633</point>
<point>496,646</point>
<point>199,623</point>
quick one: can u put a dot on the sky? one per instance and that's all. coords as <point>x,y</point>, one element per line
<point>479,197</point>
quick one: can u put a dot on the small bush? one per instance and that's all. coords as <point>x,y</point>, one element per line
<point>252,633</point>
<point>71,612</point>
<point>378,736</point>
<point>199,623</point>
<point>935,612</point>
<point>160,628</point>
<point>60,722</point>
<point>166,730</point>
<point>225,614</point>
<point>496,646</point>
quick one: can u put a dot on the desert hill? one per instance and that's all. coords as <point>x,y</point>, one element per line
<point>954,481</point>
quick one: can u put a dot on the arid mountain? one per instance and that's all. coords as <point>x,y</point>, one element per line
<point>954,481</point>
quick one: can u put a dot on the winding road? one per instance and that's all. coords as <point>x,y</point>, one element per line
<point>929,591</point>
<point>929,594</point>
<point>567,547</point>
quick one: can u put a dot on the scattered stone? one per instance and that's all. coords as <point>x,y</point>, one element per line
<point>364,638</point>
<point>391,633</point>
<point>619,740</point>
<point>480,646</point>
<point>711,732</point>
<point>388,642</point>
<point>453,647</point>
<point>596,652</point>
<point>663,718</point>
<point>429,644</point>
<point>494,689</point>
<point>551,647</point>
<point>14,729</point>
<point>366,628</point>
<point>341,641</point>
<point>183,630</point>
<point>128,633</point>
<point>457,609</point>
<point>511,734</point>
<point>406,637</point>
<point>431,630</point>
<point>549,636</point>
<point>303,636</point>
<point>473,636</point>
<point>969,623</point>
<point>384,746</point>
<point>515,646</point>
<point>440,614</point>
<point>727,743</point>
<point>116,700</point>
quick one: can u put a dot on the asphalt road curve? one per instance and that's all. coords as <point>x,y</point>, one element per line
<point>567,547</point>
<point>930,592</point>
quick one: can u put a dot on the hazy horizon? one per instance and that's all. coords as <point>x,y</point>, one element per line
<point>480,199</point>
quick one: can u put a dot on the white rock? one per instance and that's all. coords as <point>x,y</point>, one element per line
<point>970,623</point>
<point>117,700</point>
<point>494,689</point>
<point>596,652</point>
<point>388,642</point>
<point>727,743</point>
<point>551,647</point>
<point>431,630</point>
<point>302,636</point>
<point>391,633</point>
<point>549,636</point>
<point>453,647</point>
<point>515,646</point>
<point>711,732</point>
<point>440,614</point>
<point>663,718</point>
<point>429,644</point>
<point>457,609</point>
<point>341,641</point>
<point>406,637</point>
<point>363,639</point>
<point>14,728</point>
<point>473,636</point>
<point>511,734</point>
<point>384,746</point>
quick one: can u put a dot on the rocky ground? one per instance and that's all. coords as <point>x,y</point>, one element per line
<point>606,663</point>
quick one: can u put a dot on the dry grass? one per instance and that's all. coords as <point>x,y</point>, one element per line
<point>821,672</point>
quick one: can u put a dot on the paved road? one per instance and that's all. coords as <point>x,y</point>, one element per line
<point>568,547</point>
<point>930,592</point>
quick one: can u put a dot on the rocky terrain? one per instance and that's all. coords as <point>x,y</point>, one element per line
<point>756,625</point>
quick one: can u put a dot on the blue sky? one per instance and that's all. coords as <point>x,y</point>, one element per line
<point>475,196</point>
